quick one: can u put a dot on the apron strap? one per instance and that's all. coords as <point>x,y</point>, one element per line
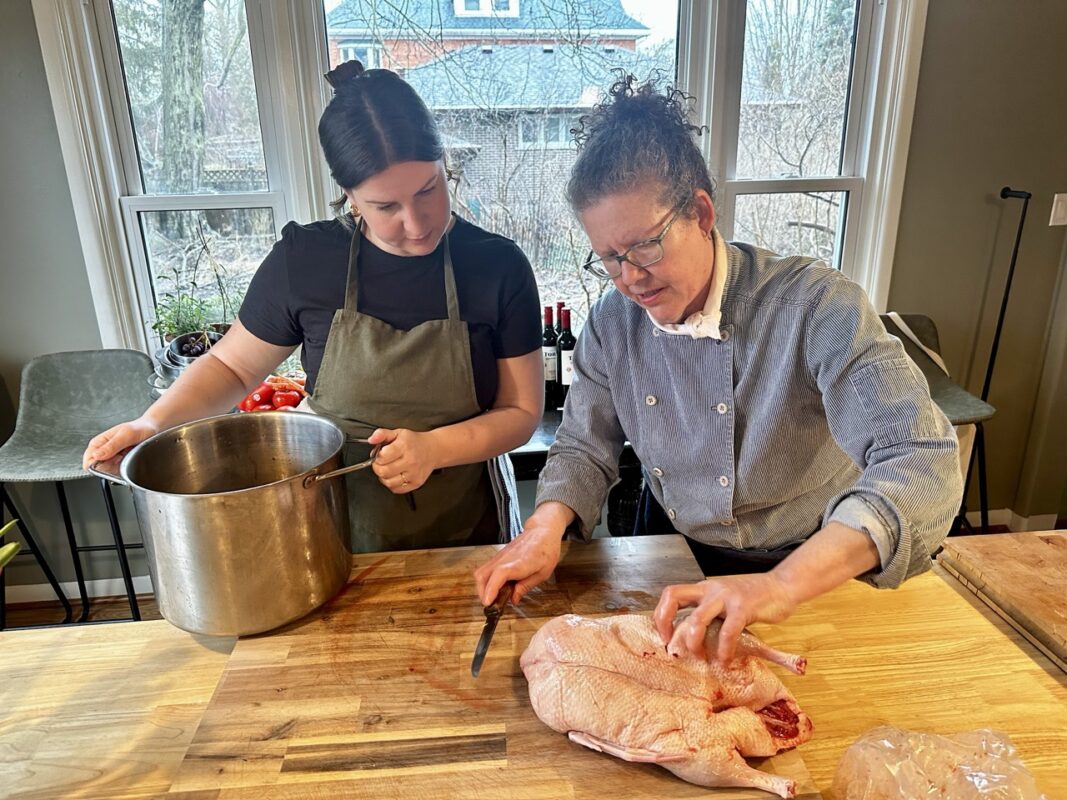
<point>451,296</point>
<point>352,281</point>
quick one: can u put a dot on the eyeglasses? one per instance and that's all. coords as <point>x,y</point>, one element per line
<point>643,254</point>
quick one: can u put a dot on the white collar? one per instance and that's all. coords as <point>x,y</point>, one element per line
<point>705,324</point>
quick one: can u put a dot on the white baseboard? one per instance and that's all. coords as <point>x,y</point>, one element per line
<point>1014,522</point>
<point>107,587</point>
<point>1038,522</point>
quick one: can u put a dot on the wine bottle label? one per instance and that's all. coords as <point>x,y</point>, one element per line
<point>548,358</point>
<point>566,367</point>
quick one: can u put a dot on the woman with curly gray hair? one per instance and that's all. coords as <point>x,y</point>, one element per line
<point>781,430</point>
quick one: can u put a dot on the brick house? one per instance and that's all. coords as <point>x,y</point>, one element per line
<point>403,35</point>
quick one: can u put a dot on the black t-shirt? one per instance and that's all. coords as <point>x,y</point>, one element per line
<point>301,283</point>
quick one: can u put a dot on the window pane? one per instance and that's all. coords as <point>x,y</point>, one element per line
<point>794,91</point>
<point>798,223</point>
<point>506,98</point>
<point>192,97</point>
<point>529,130</point>
<point>200,262</point>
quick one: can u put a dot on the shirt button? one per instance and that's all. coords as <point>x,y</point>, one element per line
<point>722,408</point>
<point>671,513</point>
<point>651,400</point>
<point>724,481</point>
<point>657,472</point>
<point>655,331</point>
<point>724,335</point>
<point>726,522</point>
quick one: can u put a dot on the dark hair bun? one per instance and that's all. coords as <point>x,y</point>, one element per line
<point>652,126</point>
<point>344,73</point>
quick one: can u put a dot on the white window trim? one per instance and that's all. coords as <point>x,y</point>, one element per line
<point>88,142</point>
<point>373,50</point>
<point>98,170</point>
<point>542,143</point>
<point>876,143</point>
<point>485,9</point>
<point>96,144</point>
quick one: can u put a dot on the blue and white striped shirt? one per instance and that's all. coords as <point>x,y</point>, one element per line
<point>805,411</point>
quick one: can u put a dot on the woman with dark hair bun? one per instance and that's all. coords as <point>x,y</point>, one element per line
<point>419,331</point>
<point>781,430</point>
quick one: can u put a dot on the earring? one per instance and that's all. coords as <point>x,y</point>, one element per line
<point>354,212</point>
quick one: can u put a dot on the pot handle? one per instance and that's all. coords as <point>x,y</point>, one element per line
<point>109,470</point>
<point>312,479</point>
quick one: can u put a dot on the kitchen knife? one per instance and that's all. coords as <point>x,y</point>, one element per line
<point>492,617</point>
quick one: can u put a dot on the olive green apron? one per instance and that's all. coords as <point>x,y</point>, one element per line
<point>376,376</point>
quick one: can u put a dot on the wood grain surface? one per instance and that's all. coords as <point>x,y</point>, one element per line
<point>1023,577</point>
<point>372,696</point>
<point>101,711</point>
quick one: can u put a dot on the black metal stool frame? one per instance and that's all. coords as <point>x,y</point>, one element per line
<point>32,549</point>
<point>76,550</point>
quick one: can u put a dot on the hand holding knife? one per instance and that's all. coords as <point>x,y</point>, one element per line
<point>492,617</point>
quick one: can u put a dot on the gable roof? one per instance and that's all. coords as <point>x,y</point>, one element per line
<point>528,76</point>
<point>409,19</point>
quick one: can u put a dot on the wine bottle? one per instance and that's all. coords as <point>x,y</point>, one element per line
<point>566,356</point>
<point>550,360</point>
<point>559,315</point>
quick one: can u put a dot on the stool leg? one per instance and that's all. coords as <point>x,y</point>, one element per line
<point>38,554</point>
<point>979,444</point>
<point>124,564</point>
<point>961,520</point>
<point>75,555</point>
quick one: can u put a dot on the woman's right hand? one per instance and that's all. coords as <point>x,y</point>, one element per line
<point>117,439</point>
<point>529,558</point>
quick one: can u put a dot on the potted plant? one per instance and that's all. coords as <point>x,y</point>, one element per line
<point>188,308</point>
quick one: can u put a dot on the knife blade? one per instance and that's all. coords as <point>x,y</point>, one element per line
<point>492,617</point>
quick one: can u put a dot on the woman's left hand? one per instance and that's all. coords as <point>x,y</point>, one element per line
<point>405,460</point>
<point>739,599</point>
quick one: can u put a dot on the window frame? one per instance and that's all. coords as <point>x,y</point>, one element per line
<point>875,145</point>
<point>485,9</point>
<point>289,55</point>
<point>374,60</point>
<point>562,119</point>
<point>81,52</point>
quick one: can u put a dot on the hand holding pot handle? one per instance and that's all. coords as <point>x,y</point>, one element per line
<point>312,479</point>
<point>109,470</point>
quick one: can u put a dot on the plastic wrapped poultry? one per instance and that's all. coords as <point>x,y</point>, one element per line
<point>888,763</point>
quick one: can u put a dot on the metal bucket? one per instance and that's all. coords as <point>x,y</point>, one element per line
<point>244,527</point>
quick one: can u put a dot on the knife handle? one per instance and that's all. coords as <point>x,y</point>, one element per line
<point>503,597</point>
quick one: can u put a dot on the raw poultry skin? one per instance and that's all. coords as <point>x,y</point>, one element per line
<point>611,685</point>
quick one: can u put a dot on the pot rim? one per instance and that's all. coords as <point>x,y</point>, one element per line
<point>124,467</point>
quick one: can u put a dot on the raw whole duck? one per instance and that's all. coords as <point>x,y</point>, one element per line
<point>611,685</point>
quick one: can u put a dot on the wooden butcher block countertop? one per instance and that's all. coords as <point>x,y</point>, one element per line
<point>372,697</point>
<point>1021,576</point>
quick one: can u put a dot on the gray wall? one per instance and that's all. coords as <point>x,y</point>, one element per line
<point>45,305</point>
<point>991,111</point>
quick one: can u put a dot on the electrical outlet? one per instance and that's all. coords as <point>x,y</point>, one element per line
<point>1059,210</point>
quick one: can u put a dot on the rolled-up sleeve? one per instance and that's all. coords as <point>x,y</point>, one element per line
<point>583,462</point>
<point>880,413</point>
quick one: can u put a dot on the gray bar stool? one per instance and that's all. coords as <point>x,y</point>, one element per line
<point>65,400</point>
<point>960,406</point>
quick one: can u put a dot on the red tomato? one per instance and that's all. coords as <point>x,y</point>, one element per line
<point>283,399</point>
<point>247,404</point>
<point>264,407</point>
<point>262,393</point>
